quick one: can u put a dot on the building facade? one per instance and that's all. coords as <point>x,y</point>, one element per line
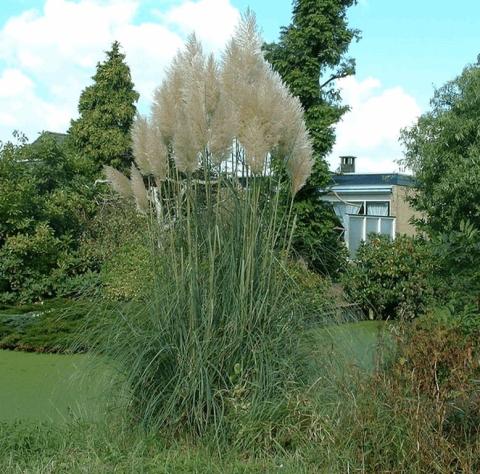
<point>370,203</point>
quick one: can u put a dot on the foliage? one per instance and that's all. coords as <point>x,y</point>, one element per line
<point>49,327</point>
<point>45,205</point>
<point>458,275</point>
<point>393,424</point>
<point>392,278</point>
<point>120,237</point>
<point>442,149</point>
<point>313,46</point>
<point>316,292</point>
<point>107,109</point>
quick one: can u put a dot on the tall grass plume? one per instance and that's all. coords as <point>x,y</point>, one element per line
<point>216,340</point>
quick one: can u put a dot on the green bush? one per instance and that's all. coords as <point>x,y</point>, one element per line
<point>121,237</point>
<point>320,300</point>
<point>458,276</point>
<point>45,205</point>
<point>392,278</point>
<point>25,264</point>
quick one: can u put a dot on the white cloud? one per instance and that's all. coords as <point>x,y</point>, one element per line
<point>21,106</point>
<point>212,20</point>
<point>49,55</point>
<point>371,129</point>
<point>14,83</point>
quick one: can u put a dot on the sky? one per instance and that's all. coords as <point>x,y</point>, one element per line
<point>49,49</point>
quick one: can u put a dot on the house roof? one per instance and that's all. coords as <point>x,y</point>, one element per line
<point>382,179</point>
<point>58,137</point>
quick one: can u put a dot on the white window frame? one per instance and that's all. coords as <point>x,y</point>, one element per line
<point>364,226</point>
<point>364,202</point>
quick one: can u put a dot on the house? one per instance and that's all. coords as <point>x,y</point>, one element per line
<point>59,138</point>
<point>370,203</point>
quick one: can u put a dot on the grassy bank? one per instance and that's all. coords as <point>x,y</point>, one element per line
<point>52,326</point>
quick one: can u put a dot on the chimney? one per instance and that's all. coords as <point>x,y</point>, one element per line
<point>347,164</point>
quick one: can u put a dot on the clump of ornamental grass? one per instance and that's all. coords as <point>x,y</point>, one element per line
<point>217,337</point>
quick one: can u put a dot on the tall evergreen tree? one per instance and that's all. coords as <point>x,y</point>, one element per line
<point>310,55</point>
<point>107,110</point>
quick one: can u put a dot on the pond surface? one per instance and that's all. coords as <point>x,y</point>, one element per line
<point>62,388</point>
<point>51,387</point>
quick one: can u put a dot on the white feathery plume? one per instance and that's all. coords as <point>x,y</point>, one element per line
<point>119,182</point>
<point>255,146</point>
<point>194,107</point>
<point>243,80</point>
<point>167,99</point>
<point>205,106</point>
<point>140,132</point>
<point>300,162</point>
<point>157,153</point>
<point>185,153</point>
<point>212,85</point>
<point>290,120</point>
<point>222,131</point>
<point>138,189</point>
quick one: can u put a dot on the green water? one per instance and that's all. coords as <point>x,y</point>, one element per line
<point>61,388</point>
<point>361,344</point>
<point>49,387</point>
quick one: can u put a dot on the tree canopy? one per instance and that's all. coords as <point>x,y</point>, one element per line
<point>443,151</point>
<point>311,55</point>
<point>107,110</point>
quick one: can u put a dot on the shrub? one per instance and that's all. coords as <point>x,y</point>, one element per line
<point>418,412</point>
<point>458,255</point>
<point>121,237</point>
<point>25,264</point>
<point>49,327</point>
<point>442,362</point>
<point>392,278</point>
<point>320,301</point>
<point>45,204</point>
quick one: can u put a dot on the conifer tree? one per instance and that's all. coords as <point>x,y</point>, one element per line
<point>310,56</point>
<point>107,110</point>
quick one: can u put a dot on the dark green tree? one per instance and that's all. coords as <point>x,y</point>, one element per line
<point>310,55</point>
<point>443,151</point>
<point>107,110</point>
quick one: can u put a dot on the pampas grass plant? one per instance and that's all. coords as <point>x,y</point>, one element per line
<point>217,338</point>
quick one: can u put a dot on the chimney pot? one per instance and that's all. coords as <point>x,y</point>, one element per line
<point>347,164</point>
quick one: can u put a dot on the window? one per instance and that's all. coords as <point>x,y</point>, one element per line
<point>378,208</point>
<point>360,227</point>
<point>369,208</point>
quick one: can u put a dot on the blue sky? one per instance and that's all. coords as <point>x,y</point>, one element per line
<point>48,51</point>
